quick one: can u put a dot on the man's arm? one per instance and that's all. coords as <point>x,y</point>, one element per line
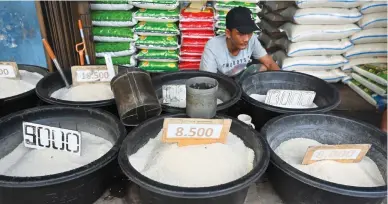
<point>208,61</point>
<point>269,63</point>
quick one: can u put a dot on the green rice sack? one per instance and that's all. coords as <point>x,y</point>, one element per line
<point>114,49</point>
<point>157,42</point>
<point>378,101</point>
<point>158,55</point>
<point>153,15</point>
<point>375,72</point>
<point>221,16</point>
<point>128,61</point>
<point>111,5</point>
<point>156,29</point>
<point>113,18</point>
<point>221,25</point>
<point>221,31</point>
<point>227,5</point>
<point>113,34</point>
<point>156,4</point>
<point>378,89</point>
<point>159,66</point>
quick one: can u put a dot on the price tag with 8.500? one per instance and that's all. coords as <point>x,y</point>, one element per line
<point>193,131</point>
<point>90,74</point>
<point>38,136</point>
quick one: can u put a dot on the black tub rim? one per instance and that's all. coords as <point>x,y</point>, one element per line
<point>47,180</point>
<point>186,192</point>
<point>368,192</point>
<point>54,101</point>
<point>32,91</point>
<point>276,109</point>
<point>225,105</point>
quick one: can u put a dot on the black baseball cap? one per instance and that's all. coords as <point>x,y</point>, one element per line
<point>241,19</point>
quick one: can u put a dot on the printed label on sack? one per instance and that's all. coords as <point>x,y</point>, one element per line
<point>290,98</point>
<point>90,74</point>
<point>348,153</point>
<point>38,136</point>
<point>195,131</point>
<point>174,93</point>
<point>9,70</point>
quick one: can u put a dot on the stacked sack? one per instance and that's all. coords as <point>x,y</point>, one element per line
<point>368,57</point>
<point>158,33</point>
<point>112,32</point>
<point>222,7</point>
<point>197,27</point>
<point>319,37</point>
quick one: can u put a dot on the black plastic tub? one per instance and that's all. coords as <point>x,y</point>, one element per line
<point>54,82</point>
<point>157,193</point>
<point>327,96</point>
<point>228,90</point>
<point>24,100</point>
<point>82,185</point>
<point>296,187</point>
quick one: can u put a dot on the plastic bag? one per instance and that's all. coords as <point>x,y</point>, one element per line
<point>311,48</point>
<point>367,50</point>
<point>330,76</point>
<point>154,15</point>
<point>157,42</point>
<point>195,42</point>
<point>198,34</point>
<point>376,72</point>
<point>313,16</point>
<point>114,49</point>
<point>189,65</point>
<point>128,61</point>
<point>378,89</point>
<point>372,98</point>
<point>156,29</point>
<point>328,4</point>
<point>158,55</point>
<point>366,60</point>
<point>374,20</point>
<point>191,50</point>
<point>373,7</point>
<point>158,66</point>
<point>111,5</point>
<point>113,34</point>
<point>206,15</point>
<point>156,4</point>
<point>113,18</point>
<point>373,35</point>
<point>196,25</point>
<point>299,33</point>
<point>313,63</point>
<point>227,5</point>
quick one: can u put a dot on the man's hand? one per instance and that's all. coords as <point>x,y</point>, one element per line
<point>269,63</point>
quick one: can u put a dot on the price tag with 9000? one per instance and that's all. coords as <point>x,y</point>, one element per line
<point>192,131</point>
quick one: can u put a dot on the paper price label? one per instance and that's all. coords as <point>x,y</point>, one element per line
<point>9,70</point>
<point>174,93</point>
<point>290,98</point>
<point>38,136</point>
<point>348,153</point>
<point>192,131</point>
<point>90,74</point>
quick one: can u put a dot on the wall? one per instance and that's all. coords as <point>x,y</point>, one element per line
<point>20,38</point>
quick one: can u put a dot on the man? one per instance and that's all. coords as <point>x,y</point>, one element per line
<point>230,53</point>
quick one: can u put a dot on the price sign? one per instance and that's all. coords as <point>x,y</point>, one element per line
<point>174,93</point>
<point>193,131</point>
<point>40,137</point>
<point>9,70</point>
<point>290,98</point>
<point>348,153</point>
<point>90,74</point>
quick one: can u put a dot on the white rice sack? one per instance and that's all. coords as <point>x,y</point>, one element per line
<point>366,60</point>
<point>330,76</point>
<point>373,20</point>
<point>367,50</point>
<point>374,72</point>
<point>373,35</point>
<point>311,48</point>
<point>327,4</point>
<point>313,63</point>
<point>314,16</point>
<point>149,5</point>
<point>299,33</point>
<point>110,7</point>
<point>374,7</point>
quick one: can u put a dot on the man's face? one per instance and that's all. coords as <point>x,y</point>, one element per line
<point>238,39</point>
